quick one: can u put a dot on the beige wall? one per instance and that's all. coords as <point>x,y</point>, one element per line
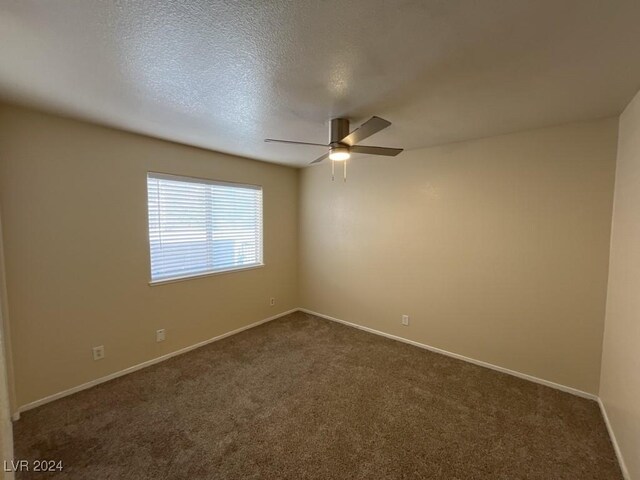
<point>496,248</point>
<point>73,205</point>
<point>620,382</point>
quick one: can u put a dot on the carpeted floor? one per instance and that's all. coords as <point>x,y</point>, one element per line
<point>305,398</point>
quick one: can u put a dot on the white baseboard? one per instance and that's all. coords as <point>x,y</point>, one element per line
<point>84,386</point>
<point>524,376</point>
<point>564,388</point>
<point>614,441</point>
<point>148,363</point>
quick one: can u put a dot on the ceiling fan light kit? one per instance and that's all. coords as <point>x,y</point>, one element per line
<point>339,154</point>
<point>343,143</point>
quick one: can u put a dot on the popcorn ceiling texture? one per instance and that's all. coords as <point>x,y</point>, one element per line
<point>302,397</point>
<point>224,75</point>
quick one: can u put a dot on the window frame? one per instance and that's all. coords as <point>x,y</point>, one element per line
<point>207,181</point>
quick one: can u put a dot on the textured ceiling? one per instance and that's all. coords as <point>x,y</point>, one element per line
<point>224,75</point>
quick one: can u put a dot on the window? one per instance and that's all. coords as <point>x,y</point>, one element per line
<point>198,227</point>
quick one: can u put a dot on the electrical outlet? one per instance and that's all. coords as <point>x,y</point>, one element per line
<point>405,320</point>
<point>160,335</point>
<point>98,352</point>
<point>272,302</point>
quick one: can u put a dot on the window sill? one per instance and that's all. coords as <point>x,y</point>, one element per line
<point>164,281</point>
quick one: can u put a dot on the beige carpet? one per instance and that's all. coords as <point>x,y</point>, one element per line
<point>305,398</point>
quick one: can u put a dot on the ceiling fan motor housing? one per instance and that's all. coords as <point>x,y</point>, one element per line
<point>339,130</point>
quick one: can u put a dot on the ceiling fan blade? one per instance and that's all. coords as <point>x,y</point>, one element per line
<point>368,128</point>
<point>319,159</point>
<point>273,140</point>
<point>389,152</point>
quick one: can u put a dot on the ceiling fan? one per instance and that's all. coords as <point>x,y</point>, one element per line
<point>343,143</point>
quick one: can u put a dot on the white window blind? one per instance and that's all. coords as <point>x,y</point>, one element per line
<point>199,226</point>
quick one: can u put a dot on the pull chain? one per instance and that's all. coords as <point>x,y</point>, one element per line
<point>333,170</point>
<point>345,171</point>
